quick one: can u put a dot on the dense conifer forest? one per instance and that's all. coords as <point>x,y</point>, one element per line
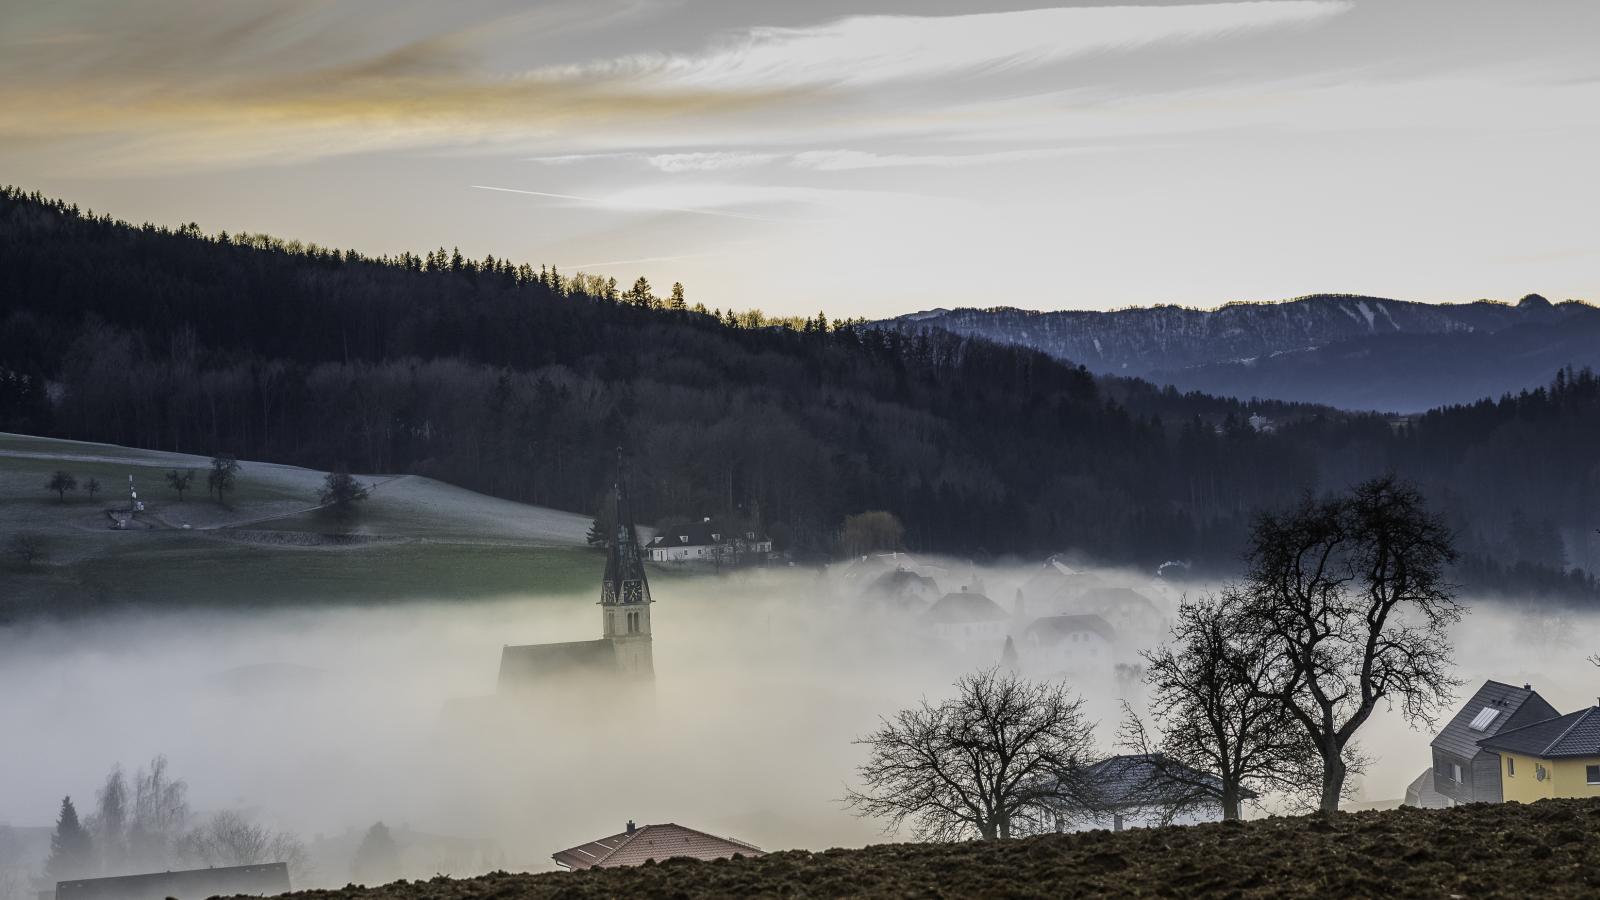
<point>518,381</point>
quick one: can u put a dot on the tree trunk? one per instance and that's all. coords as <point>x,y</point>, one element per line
<point>1230,801</point>
<point>1333,773</point>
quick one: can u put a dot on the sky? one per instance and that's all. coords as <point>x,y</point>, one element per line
<point>864,157</point>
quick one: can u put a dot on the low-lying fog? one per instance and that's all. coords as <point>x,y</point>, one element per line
<point>319,721</point>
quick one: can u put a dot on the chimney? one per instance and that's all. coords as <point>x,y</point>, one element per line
<point>1526,686</point>
<point>631,827</point>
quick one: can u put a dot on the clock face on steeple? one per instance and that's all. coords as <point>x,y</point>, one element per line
<point>632,592</point>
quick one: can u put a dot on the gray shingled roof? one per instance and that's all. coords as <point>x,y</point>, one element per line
<point>1145,779</point>
<point>963,607</point>
<point>1052,630</point>
<point>1460,739</point>
<point>1574,734</point>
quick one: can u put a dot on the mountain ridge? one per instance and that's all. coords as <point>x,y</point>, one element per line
<point>1347,350</point>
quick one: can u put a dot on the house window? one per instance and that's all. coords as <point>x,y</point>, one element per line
<point>1455,772</point>
<point>1511,765</point>
<point>1592,774</point>
<point>1483,719</point>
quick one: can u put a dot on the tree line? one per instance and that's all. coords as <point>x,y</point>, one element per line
<point>518,381</point>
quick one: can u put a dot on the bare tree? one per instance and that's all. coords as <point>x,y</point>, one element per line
<point>15,875</point>
<point>1221,739</point>
<point>109,823</point>
<point>998,759</point>
<point>61,481</point>
<point>160,815</point>
<point>230,838</point>
<point>92,487</point>
<point>1346,600</point>
<point>180,481</point>
<point>223,477</point>
<point>27,547</point>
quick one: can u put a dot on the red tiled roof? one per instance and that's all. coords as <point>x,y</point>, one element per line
<point>657,842</point>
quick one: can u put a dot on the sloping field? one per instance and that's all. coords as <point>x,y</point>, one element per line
<point>414,537</point>
<point>1547,849</point>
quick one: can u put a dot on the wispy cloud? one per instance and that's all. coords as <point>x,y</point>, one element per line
<point>708,161</point>
<point>861,51</point>
<point>298,82</point>
<point>842,160</point>
<point>626,204</point>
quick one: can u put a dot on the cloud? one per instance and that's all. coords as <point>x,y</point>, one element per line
<point>633,204</point>
<point>708,161</point>
<point>843,160</point>
<point>863,51</point>
<point>297,82</point>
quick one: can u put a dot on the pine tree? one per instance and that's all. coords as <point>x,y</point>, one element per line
<point>678,302</point>
<point>377,860</point>
<point>71,852</point>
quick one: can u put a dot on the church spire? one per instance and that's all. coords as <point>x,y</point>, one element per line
<point>624,582</point>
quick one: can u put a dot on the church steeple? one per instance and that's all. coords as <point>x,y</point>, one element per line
<point>624,590</point>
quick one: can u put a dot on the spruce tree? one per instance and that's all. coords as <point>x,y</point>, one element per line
<point>71,852</point>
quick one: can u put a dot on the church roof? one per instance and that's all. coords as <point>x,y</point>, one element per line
<point>533,664</point>
<point>657,842</point>
<point>624,580</point>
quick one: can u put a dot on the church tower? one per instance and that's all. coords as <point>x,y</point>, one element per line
<point>624,590</point>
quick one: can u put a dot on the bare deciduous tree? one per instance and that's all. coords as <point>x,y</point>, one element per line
<point>61,481</point>
<point>230,838</point>
<point>180,481</point>
<point>1346,600</point>
<point>27,547</point>
<point>1220,738</point>
<point>223,477</point>
<point>160,815</point>
<point>998,759</point>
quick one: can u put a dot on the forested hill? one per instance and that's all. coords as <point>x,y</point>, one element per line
<point>518,382</point>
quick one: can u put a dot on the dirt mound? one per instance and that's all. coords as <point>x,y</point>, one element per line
<point>1547,849</point>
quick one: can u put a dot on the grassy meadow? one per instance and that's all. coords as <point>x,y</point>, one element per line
<point>413,538</point>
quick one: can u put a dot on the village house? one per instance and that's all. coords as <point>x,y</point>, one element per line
<point>1077,644</point>
<point>1558,757</point>
<point>1145,791</point>
<point>636,846</point>
<point>968,618</point>
<point>707,542</point>
<point>1463,769</point>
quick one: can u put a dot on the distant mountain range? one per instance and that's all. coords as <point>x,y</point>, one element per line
<point>1348,351</point>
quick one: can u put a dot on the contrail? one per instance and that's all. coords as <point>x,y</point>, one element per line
<point>614,204</point>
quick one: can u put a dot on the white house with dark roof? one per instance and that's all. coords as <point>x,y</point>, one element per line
<point>635,846</point>
<point>707,542</point>
<point>1465,771</point>
<point>967,619</point>
<point>1068,643</point>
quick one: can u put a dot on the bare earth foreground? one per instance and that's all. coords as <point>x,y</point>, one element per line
<point>1547,849</point>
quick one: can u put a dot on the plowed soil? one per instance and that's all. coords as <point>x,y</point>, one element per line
<point>1546,849</point>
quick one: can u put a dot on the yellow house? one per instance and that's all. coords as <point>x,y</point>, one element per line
<point>1557,757</point>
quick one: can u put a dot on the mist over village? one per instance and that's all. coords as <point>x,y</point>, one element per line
<point>626,448</point>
